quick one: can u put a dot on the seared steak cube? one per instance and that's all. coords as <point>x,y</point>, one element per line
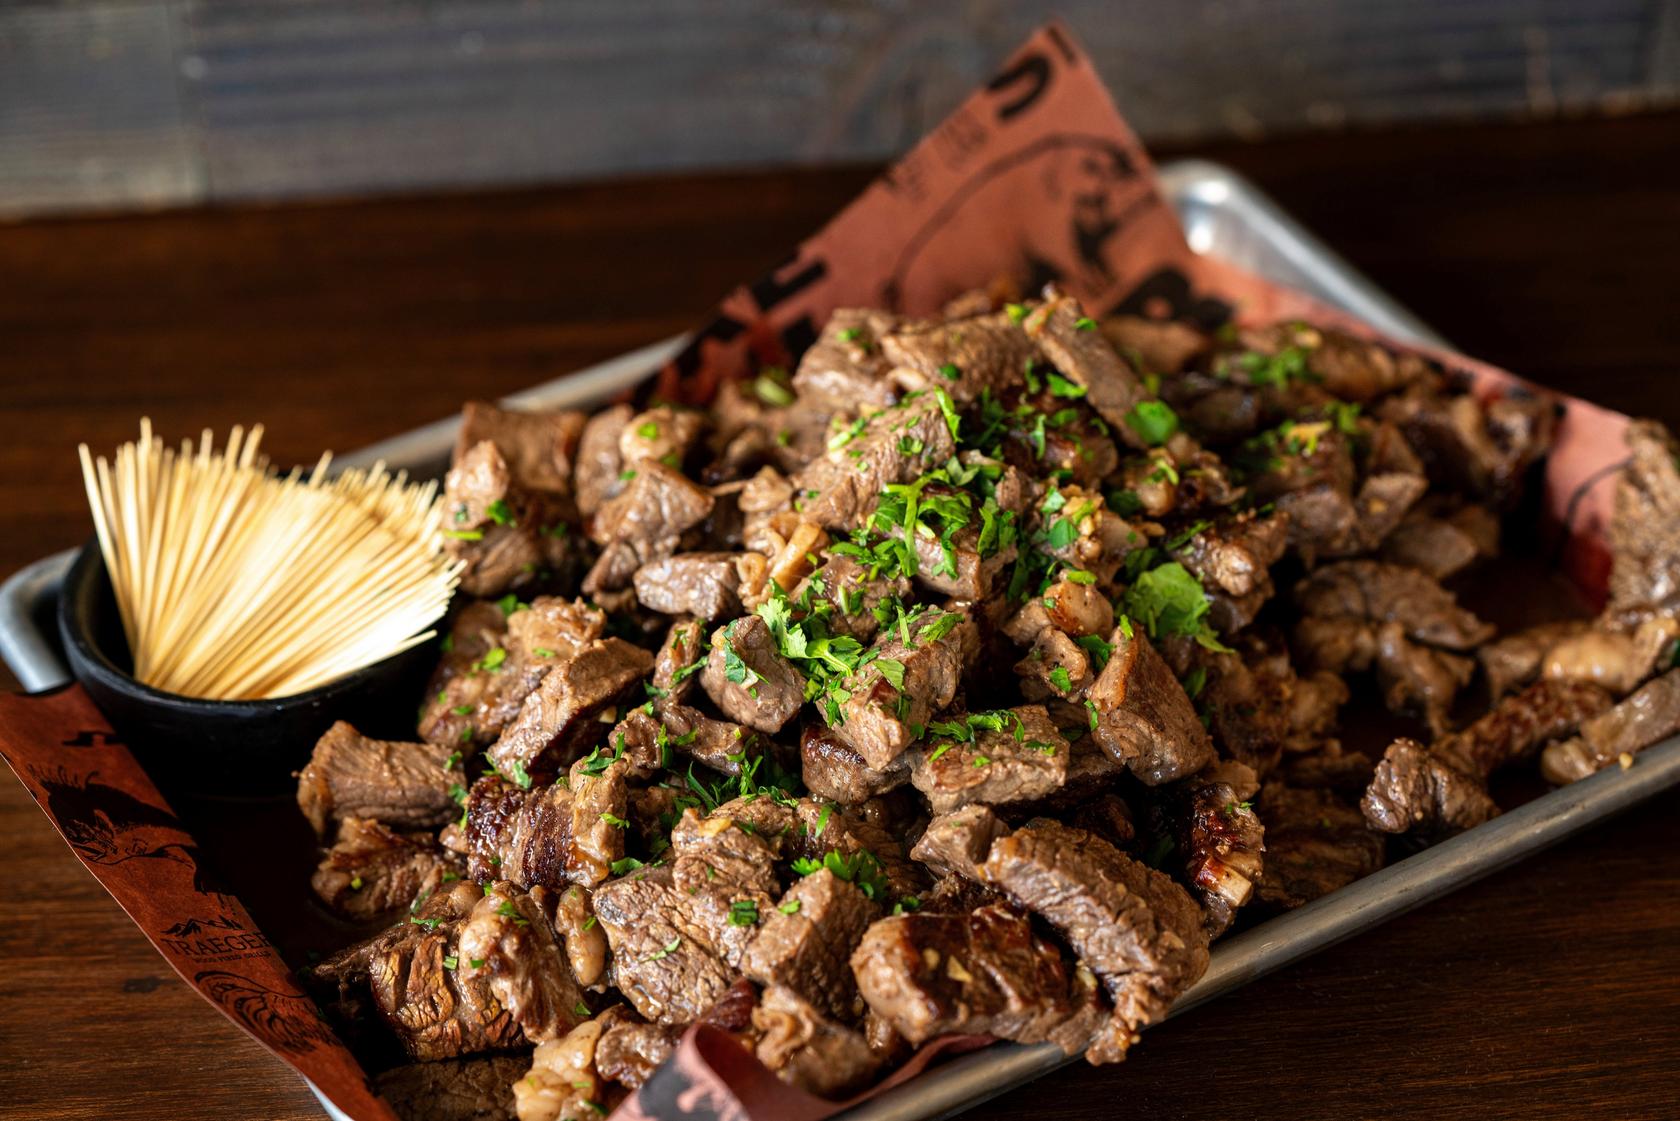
<point>896,445</point>
<point>747,677</point>
<point>1025,760</point>
<point>401,784</point>
<point>983,972</point>
<point>662,962</point>
<point>832,768</point>
<point>560,715</point>
<point>806,941</point>
<point>904,684</point>
<point>539,447</point>
<point>703,584</point>
<point>1136,929</point>
<point>965,357</point>
<point>845,371</point>
<point>1070,339</point>
<point>806,1049</point>
<point>372,870</point>
<point>956,843</point>
<point>1145,721</point>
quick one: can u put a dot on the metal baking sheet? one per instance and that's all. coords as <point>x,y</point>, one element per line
<point>1225,216</point>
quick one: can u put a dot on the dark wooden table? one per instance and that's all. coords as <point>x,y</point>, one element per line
<point>1549,990</point>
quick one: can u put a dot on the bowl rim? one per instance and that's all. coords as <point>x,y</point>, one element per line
<point>87,576</point>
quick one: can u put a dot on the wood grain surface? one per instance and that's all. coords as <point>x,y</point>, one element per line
<point>118,104</point>
<point>1549,990</point>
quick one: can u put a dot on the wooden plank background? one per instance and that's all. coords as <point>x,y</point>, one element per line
<point>122,104</point>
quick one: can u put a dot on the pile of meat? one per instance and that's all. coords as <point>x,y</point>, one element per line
<point>971,679</point>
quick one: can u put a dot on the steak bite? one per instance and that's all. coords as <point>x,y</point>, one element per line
<point>652,512</point>
<point>631,1050</point>
<point>540,447</point>
<point>1378,592</point>
<point>833,770</point>
<point>845,371</point>
<point>1070,339</point>
<point>805,942</point>
<point>956,843</point>
<point>484,696</point>
<point>901,685</point>
<point>1616,735</point>
<point>662,959</point>
<point>1145,721</point>
<point>965,357</point>
<point>853,598</point>
<point>680,657</point>
<point>400,784</point>
<point>839,489</point>
<point>1418,680</point>
<point>475,1089</point>
<point>520,835</point>
<point>1136,929</point>
<point>424,981</point>
<point>1482,450</point>
<point>1362,614</point>
<point>600,805</point>
<point>477,628</point>
<point>503,532</point>
<point>372,870</point>
<point>703,584</point>
<point>1443,543</point>
<point>663,433</point>
<point>600,463</point>
<point>1023,759</point>
<point>748,679</point>
<point>1235,556</point>
<point>559,719</point>
<point>1221,841</point>
<point>981,972</point>
<point>509,942</point>
<point>1156,345</point>
<point>1442,790</point>
<point>1645,529</point>
<point>1349,367</point>
<point>1316,843</point>
<point>806,1049</point>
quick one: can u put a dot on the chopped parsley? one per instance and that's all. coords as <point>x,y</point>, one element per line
<point>1287,365</point>
<point>743,912</point>
<point>860,868</point>
<point>517,775</point>
<point>1153,421</point>
<point>1167,600</point>
<point>499,513</point>
<point>664,951</point>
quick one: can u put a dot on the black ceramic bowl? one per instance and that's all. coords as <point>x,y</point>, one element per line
<point>220,747</point>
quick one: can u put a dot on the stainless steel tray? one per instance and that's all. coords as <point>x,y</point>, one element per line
<point>1225,216</point>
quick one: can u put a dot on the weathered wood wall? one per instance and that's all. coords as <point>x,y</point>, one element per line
<point>125,103</point>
